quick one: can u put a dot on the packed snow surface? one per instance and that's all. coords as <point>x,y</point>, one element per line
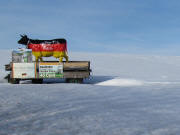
<point>126,95</point>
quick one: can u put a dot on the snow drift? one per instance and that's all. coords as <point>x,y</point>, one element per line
<point>121,82</point>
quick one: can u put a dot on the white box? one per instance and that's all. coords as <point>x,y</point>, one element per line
<point>24,70</point>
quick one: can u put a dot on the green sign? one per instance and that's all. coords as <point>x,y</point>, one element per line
<point>50,70</point>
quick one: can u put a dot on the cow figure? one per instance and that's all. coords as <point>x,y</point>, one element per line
<point>46,48</point>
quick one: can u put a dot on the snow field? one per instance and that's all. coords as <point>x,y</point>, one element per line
<point>127,95</point>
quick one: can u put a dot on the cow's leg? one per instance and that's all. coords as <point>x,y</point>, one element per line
<point>66,57</point>
<point>37,59</point>
<point>41,59</point>
<point>61,59</point>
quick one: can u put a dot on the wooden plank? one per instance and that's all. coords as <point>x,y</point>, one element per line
<point>8,67</point>
<point>77,65</point>
<point>79,74</point>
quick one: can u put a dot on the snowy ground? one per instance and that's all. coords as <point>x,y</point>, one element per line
<point>127,95</point>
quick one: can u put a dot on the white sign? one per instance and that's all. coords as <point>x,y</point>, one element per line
<point>24,70</point>
<point>50,70</point>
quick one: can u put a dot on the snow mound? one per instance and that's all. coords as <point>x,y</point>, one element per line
<point>3,80</point>
<point>121,82</point>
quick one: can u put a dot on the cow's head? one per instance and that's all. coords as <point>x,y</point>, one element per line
<point>24,40</point>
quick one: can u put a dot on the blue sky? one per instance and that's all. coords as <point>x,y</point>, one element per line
<point>116,26</point>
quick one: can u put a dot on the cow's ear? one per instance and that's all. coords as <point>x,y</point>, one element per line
<point>21,35</point>
<point>25,36</point>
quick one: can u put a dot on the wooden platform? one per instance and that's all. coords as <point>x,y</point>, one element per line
<point>71,70</point>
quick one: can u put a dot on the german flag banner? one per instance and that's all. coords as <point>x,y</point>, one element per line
<point>59,47</point>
